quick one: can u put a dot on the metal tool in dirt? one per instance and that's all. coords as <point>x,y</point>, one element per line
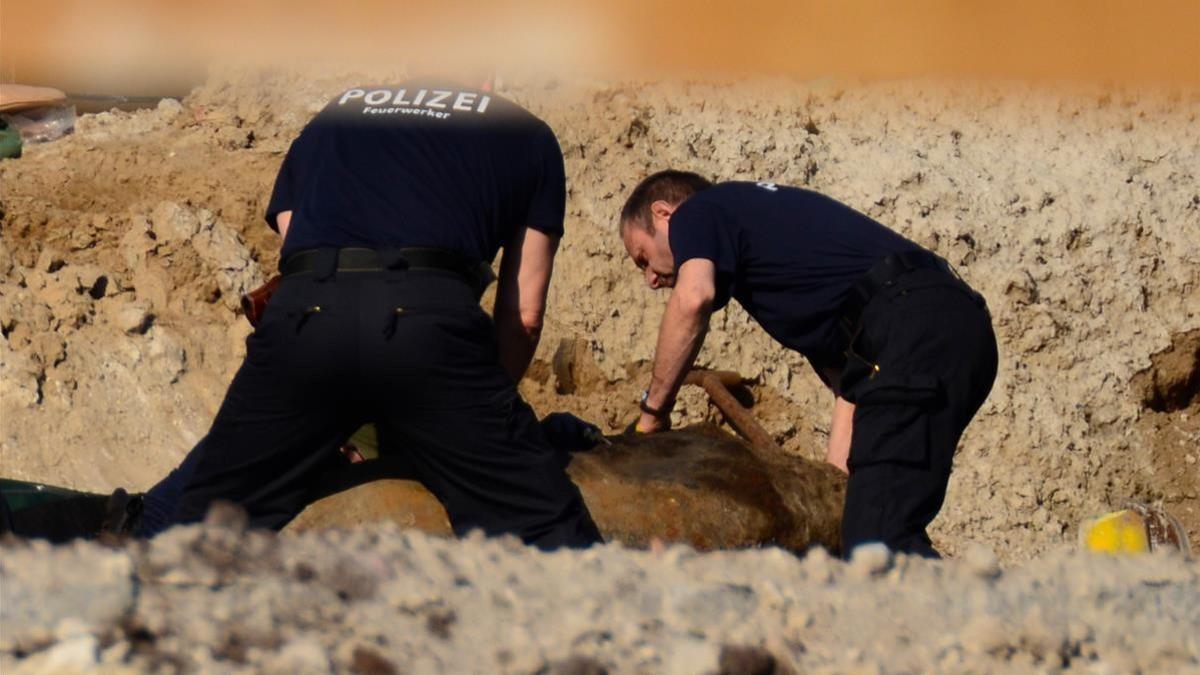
<point>716,384</point>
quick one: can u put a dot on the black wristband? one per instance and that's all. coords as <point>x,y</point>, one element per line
<point>660,413</point>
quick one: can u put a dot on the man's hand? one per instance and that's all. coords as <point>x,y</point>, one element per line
<point>650,424</point>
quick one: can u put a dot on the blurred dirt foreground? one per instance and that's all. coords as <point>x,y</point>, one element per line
<point>124,249</point>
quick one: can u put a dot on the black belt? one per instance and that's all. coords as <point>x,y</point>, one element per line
<point>325,261</point>
<point>883,275</point>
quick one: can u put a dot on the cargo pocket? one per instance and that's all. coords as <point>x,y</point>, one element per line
<point>891,419</point>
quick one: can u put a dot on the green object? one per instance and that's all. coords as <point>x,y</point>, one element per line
<point>10,141</point>
<point>10,144</point>
<point>19,494</point>
<point>366,439</point>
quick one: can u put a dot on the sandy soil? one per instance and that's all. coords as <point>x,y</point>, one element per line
<point>215,599</point>
<point>125,247</point>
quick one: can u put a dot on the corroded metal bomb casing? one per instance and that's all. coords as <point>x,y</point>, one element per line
<point>698,486</point>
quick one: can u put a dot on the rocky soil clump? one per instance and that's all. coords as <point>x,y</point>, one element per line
<point>214,598</point>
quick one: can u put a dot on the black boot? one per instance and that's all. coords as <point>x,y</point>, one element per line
<point>121,516</point>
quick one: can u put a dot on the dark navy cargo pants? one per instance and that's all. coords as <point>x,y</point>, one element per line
<point>412,352</point>
<point>931,337</point>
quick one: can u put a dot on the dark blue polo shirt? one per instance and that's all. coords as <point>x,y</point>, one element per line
<point>787,255</point>
<point>420,164</point>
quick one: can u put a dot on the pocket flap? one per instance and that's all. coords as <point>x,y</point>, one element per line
<point>896,388</point>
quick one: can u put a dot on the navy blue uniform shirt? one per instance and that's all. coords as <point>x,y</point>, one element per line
<point>787,255</point>
<point>420,164</point>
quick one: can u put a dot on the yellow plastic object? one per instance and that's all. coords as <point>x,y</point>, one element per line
<point>1138,528</point>
<point>1117,532</point>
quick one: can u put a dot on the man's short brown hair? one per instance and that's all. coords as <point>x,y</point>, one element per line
<point>670,186</point>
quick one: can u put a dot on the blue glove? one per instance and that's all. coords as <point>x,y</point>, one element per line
<point>568,433</point>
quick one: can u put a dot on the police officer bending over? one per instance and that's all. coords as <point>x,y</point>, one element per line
<point>906,346</point>
<point>390,202</point>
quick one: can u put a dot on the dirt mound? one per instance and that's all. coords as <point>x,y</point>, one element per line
<point>124,247</point>
<point>216,599</point>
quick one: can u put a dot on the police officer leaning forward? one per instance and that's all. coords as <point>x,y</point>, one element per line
<point>906,346</point>
<point>389,202</point>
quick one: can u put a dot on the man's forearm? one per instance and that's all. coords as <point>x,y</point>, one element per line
<point>282,222</point>
<point>517,344</point>
<point>521,297</point>
<point>683,327</point>
<point>841,428</point>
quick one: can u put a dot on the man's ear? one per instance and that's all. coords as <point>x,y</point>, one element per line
<point>662,209</point>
